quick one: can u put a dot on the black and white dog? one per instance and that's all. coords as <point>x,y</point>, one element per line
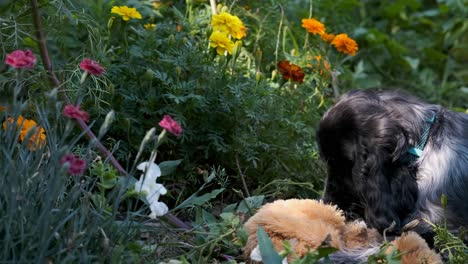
<point>391,157</point>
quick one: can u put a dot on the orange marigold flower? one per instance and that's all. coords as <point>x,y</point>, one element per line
<point>313,26</point>
<point>37,139</point>
<point>345,44</point>
<point>291,71</point>
<point>327,37</point>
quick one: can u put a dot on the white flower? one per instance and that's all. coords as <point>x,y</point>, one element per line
<point>158,209</point>
<point>147,184</point>
<point>152,170</point>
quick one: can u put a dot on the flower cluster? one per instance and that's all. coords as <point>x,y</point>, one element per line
<point>150,26</point>
<point>226,27</point>
<point>126,12</point>
<point>319,65</point>
<point>291,71</point>
<point>342,42</point>
<point>171,125</point>
<point>76,166</point>
<point>152,190</point>
<point>21,59</point>
<point>27,126</point>
<point>75,112</point>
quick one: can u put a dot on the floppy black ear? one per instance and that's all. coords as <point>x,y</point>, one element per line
<point>388,188</point>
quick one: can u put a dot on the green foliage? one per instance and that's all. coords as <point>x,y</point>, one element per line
<point>387,254</point>
<point>48,215</point>
<point>249,135</point>
<point>451,245</point>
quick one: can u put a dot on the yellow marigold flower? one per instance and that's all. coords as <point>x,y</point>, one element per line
<point>221,42</point>
<point>150,26</point>
<point>229,24</point>
<point>126,12</point>
<point>313,26</point>
<point>36,140</point>
<point>345,44</point>
<point>327,37</point>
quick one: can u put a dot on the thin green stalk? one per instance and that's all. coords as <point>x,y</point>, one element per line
<point>311,10</point>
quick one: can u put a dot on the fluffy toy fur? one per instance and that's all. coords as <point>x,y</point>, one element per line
<point>307,224</point>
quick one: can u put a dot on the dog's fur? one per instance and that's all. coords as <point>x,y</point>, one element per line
<point>364,139</point>
<point>308,224</point>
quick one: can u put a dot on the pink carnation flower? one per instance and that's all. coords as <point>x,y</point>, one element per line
<point>76,165</point>
<point>91,67</point>
<point>171,125</point>
<point>75,112</point>
<point>21,59</point>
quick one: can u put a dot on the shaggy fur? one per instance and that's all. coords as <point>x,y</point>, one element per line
<point>307,224</point>
<point>364,139</point>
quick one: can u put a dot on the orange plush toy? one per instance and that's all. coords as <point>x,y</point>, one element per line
<point>308,223</point>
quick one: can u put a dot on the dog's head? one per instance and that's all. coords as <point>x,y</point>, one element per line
<point>362,143</point>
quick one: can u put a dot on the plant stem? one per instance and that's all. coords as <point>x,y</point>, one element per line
<point>213,7</point>
<point>55,82</point>
<point>242,177</point>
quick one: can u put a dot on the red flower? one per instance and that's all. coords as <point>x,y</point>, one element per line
<point>76,165</point>
<point>21,59</point>
<point>75,112</point>
<point>92,67</point>
<point>171,125</point>
<point>291,71</point>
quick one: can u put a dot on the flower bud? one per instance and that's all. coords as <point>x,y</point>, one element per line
<point>178,70</point>
<point>258,76</point>
<point>443,201</point>
<point>224,8</point>
<point>171,40</point>
<point>148,75</point>
<point>273,74</point>
<point>110,22</point>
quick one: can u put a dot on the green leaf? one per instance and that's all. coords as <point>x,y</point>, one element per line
<point>168,167</point>
<point>250,203</point>
<point>412,62</point>
<point>195,200</point>
<point>325,251</point>
<point>269,255</point>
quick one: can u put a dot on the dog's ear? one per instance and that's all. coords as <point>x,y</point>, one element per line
<point>401,144</point>
<point>387,188</point>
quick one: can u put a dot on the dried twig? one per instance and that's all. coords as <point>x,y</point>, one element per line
<point>242,177</point>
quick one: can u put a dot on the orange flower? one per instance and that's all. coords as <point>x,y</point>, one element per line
<point>35,140</point>
<point>327,37</point>
<point>345,44</point>
<point>291,71</point>
<point>313,26</point>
